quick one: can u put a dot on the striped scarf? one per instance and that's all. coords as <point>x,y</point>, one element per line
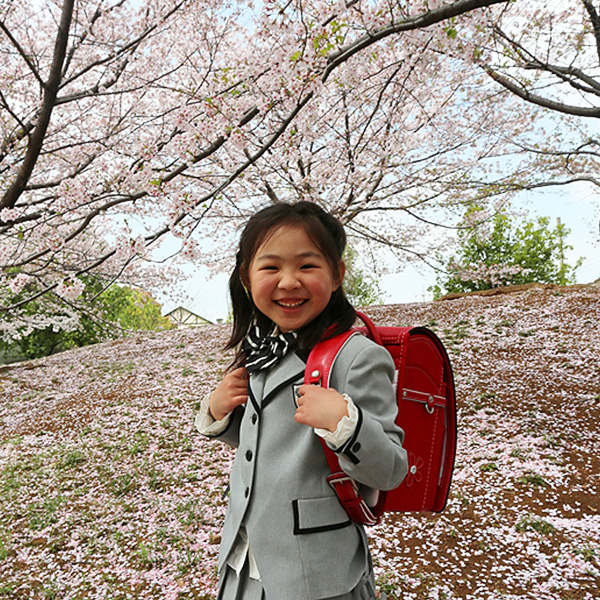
<point>263,351</point>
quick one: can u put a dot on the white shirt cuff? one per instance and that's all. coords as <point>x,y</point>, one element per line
<point>345,427</point>
<point>204,421</point>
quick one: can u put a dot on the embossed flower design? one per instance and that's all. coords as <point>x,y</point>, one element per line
<point>414,470</point>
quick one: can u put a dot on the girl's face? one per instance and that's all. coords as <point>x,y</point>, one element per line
<point>290,279</point>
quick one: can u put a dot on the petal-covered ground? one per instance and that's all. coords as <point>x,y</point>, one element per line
<point>106,491</point>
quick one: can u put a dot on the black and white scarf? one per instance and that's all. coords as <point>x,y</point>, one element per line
<point>263,351</point>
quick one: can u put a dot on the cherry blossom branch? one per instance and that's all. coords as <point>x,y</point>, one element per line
<point>57,81</point>
<point>126,49</point>
<point>522,92</point>
<point>24,55</point>
<point>84,35</point>
<point>160,233</point>
<point>420,21</point>
<point>50,91</point>
<point>10,141</point>
<point>595,19</point>
<point>367,233</point>
<point>569,74</point>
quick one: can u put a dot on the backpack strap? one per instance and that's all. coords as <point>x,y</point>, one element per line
<point>318,370</point>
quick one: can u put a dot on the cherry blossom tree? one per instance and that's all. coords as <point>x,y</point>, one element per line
<point>547,54</point>
<point>124,122</point>
<point>479,113</point>
<point>127,123</point>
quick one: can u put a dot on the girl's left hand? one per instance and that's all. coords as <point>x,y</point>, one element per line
<point>320,407</point>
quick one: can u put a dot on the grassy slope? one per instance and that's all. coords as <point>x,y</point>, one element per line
<point>106,492</point>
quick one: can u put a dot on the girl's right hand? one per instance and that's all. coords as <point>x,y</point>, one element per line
<point>230,393</point>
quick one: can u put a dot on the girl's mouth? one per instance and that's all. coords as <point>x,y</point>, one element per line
<point>290,303</point>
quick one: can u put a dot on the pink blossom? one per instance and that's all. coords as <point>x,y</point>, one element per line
<point>17,283</point>
<point>8,214</point>
<point>189,250</point>
<point>70,288</point>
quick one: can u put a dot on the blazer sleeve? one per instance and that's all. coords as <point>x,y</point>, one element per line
<point>373,455</point>
<point>230,433</point>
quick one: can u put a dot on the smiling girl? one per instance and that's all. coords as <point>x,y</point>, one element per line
<point>286,536</point>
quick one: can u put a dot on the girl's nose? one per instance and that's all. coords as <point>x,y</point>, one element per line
<point>288,280</point>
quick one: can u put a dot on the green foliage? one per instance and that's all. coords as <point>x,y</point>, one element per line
<point>500,251</point>
<point>588,552</point>
<point>533,523</point>
<point>102,314</point>
<point>71,459</point>
<point>534,479</point>
<point>133,309</point>
<point>360,289</point>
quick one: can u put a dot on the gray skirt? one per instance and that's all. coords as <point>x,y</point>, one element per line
<point>232,587</point>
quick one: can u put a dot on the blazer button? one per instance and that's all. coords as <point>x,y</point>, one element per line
<point>356,447</point>
<point>254,418</point>
<point>249,455</point>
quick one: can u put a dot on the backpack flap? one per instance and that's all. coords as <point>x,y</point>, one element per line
<point>427,414</point>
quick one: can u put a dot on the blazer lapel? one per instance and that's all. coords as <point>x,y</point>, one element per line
<point>289,369</point>
<point>256,386</point>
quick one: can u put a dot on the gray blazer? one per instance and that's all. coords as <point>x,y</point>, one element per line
<point>305,546</point>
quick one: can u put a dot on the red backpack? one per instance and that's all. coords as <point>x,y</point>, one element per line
<point>426,413</point>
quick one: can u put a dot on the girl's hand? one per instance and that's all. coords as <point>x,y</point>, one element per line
<point>320,407</point>
<point>230,393</point>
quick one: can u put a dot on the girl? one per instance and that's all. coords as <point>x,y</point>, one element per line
<point>286,536</point>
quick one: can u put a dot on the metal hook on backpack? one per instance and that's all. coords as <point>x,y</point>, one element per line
<point>429,406</point>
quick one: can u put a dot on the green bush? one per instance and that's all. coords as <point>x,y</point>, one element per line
<point>498,251</point>
<point>100,314</point>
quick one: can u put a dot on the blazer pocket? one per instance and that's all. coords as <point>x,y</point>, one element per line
<point>312,515</point>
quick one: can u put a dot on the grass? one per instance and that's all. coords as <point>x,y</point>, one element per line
<point>489,467</point>
<point>73,458</point>
<point>4,546</point>
<point>43,514</point>
<point>537,524</point>
<point>534,479</point>
<point>589,553</point>
<point>122,485</point>
<point>519,453</point>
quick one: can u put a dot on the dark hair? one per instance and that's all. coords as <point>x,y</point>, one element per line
<point>327,233</point>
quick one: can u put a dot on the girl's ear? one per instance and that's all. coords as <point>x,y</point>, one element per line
<point>341,273</point>
<point>246,286</point>
<point>244,279</point>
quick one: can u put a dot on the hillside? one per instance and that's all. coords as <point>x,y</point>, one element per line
<point>107,492</point>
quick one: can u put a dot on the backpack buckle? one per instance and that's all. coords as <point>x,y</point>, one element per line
<point>351,499</point>
<point>340,484</point>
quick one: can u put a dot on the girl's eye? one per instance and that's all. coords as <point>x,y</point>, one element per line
<point>269,268</point>
<point>309,266</point>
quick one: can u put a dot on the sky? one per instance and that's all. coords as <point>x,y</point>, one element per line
<point>577,205</point>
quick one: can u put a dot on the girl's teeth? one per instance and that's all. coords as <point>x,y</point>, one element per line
<point>291,305</point>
